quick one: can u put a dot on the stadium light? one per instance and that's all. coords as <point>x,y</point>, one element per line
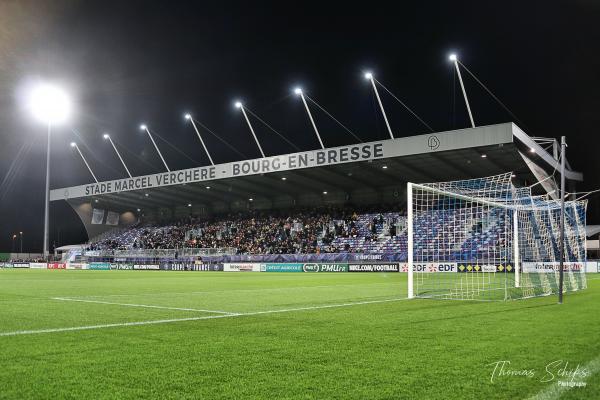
<point>454,59</point>
<point>324,192</point>
<point>138,210</point>
<point>144,127</point>
<point>73,144</point>
<point>369,76</point>
<point>107,136</point>
<point>146,194</point>
<point>250,199</point>
<point>531,150</point>
<point>284,179</point>
<point>384,167</point>
<point>51,105</point>
<point>208,188</point>
<point>189,204</point>
<point>239,105</point>
<point>484,156</point>
<point>299,92</point>
<point>189,118</point>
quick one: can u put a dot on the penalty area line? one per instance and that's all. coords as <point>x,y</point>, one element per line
<point>140,305</point>
<point>173,320</point>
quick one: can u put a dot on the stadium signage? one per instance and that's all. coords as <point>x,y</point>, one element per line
<point>38,265</point>
<point>330,267</point>
<point>99,266</point>
<point>529,267</point>
<point>316,158</point>
<point>241,267</point>
<point>57,266</point>
<point>431,267</point>
<point>20,265</point>
<point>146,266</point>
<point>382,267</point>
<point>282,267</point>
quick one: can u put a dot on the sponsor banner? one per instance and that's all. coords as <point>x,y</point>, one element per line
<point>6,265</point>
<point>123,266</point>
<point>476,267</point>
<point>146,266</point>
<point>57,266</point>
<point>190,266</point>
<point>430,267</point>
<point>20,265</point>
<point>381,267</point>
<point>241,267</point>
<point>38,265</point>
<point>543,267</point>
<point>103,266</point>
<point>77,266</point>
<point>282,267</point>
<point>592,267</point>
<point>330,267</point>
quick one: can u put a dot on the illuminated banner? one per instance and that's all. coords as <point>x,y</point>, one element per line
<point>442,141</point>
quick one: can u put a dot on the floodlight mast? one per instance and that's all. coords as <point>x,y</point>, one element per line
<point>370,77</point>
<point>73,144</point>
<point>191,119</point>
<point>299,92</point>
<point>107,136</point>
<point>454,59</point>
<point>241,107</point>
<point>145,128</point>
<point>51,105</point>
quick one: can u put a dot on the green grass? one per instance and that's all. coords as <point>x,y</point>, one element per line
<point>432,349</point>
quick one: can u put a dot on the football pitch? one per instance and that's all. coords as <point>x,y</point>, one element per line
<point>214,335</point>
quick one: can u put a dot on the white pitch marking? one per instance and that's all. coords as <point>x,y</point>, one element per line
<point>167,321</point>
<point>140,305</point>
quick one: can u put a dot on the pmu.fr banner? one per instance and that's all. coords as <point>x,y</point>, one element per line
<point>57,266</point>
<point>38,265</point>
<point>381,267</point>
<point>321,267</point>
<point>430,267</point>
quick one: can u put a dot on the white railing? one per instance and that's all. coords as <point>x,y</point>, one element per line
<point>160,253</point>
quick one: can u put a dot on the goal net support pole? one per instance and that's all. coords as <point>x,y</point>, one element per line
<point>516,258</point>
<point>409,216</point>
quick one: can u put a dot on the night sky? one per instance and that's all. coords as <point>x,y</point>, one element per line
<point>130,62</point>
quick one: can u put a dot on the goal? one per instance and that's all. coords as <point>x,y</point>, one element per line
<point>484,239</point>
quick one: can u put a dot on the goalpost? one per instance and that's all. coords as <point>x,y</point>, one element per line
<point>484,239</point>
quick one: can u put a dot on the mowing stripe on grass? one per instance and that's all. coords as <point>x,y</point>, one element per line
<point>167,321</point>
<point>234,290</point>
<point>141,305</point>
<point>554,391</point>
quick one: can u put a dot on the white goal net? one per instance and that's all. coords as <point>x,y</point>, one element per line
<point>484,239</point>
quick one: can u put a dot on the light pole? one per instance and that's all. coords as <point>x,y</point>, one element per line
<point>144,127</point>
<point>21,239</point>
<point>238,104</point>
<point>73,144</point>
<point>299,92</point>
<point>107,136</point>
<point>454,59</point>
<point>369,77</point>
<point>191,119</point>
<point>51,105</point>
<point>13,243</point>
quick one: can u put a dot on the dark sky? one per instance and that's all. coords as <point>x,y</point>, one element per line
<point>127,62</point>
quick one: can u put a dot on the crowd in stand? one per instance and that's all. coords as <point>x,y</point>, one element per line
<point>269,232</point>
